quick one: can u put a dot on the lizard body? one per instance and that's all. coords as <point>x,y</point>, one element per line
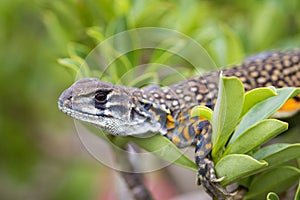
<point>121,110</point>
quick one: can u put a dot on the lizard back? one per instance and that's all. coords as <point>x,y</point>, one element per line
<point>278,69</point>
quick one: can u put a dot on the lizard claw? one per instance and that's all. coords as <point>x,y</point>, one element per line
<point>217,180</point>
<point>207,178</point>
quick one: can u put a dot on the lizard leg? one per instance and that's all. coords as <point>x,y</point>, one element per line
<point>199,133</point>
<point>206,172</point>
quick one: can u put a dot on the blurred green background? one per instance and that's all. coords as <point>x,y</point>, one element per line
<point>41,156</point>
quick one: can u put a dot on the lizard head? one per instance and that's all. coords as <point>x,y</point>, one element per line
<point>113,108</point>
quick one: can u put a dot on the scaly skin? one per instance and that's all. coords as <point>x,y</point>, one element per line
<point>122,111</point>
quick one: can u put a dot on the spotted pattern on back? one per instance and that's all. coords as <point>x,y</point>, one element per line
<point>280,69</point>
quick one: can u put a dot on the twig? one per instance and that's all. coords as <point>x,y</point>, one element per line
<point>133,180</point>
<point>137,187</point>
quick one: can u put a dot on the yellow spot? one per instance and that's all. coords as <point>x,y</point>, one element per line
<point>261,80</point>
<point>208,146</point>
<point>152,112</point>
<point>170,122</point>
<point>254,73</point>
<point>180,129</point>
<point>170,125</point>
<point>268,67</point>
<point>157,117</point>
<point>186,133</point>
<point>196,128</point>
<point>192,120</point>
<point>175,140</point>
<point>200,153</point>
<point>287,63</point>
<point>181,118</point>
<point>170,118</point>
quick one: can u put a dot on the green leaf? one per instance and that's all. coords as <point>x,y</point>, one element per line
<point>161,147</point>
<point>69,63</point>
<point>277,180</point>
<point>255,96</point>
<point>142,80</point>
<point>264,109</point>
<point>157,144</point>
<point>227,112</point>
<point>226,46</point>
<point>263,31</point>
<point>236,166</point>
<point>202,111</point>
<point>165,149</point>
<point>297,195</point>
<point>96,33</point>
<point>277,154</point>
<point>77,50</point>
<point>272,196</point>
<point>256,135</point>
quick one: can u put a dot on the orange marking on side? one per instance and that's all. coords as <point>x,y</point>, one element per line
<point>170,118</point>
<point>170,122</point>
<point>192,120</point>
<point>170,125</point>
<point>175,140</point>
<point>181,117</point>
<point>290,105</point>
<point>204,132</point>
<point>197,132</point>
<point>180,129</point>
<point>186,133</point>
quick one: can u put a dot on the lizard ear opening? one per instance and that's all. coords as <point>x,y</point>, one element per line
<point>136,116</point>
<point>146,105</point>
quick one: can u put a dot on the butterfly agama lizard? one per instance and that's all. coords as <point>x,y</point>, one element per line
<point>123,111</point>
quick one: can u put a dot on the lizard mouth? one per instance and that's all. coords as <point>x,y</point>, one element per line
<point>78,114</point>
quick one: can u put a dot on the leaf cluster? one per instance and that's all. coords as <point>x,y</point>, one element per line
<point>241,125</point>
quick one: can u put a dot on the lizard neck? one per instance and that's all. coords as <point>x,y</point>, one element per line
<point>183,96</point>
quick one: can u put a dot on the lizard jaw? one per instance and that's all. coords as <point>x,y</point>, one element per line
<point>83,116</point>
<point>109,124</point>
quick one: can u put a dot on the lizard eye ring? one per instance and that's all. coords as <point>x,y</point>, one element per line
<point>101,96</point>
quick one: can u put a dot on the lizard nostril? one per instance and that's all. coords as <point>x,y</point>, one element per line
<point>66,95</point>
<point>69,97</point>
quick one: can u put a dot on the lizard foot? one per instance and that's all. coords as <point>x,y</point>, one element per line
<point>207,177</point>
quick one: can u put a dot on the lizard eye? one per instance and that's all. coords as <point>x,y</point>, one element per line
<point>101,96</point>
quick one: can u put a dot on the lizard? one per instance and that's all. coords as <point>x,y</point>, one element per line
<point>123,111</point>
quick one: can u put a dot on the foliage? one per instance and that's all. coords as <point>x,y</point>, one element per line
<point>237,152</point>
<point>236,140</point>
